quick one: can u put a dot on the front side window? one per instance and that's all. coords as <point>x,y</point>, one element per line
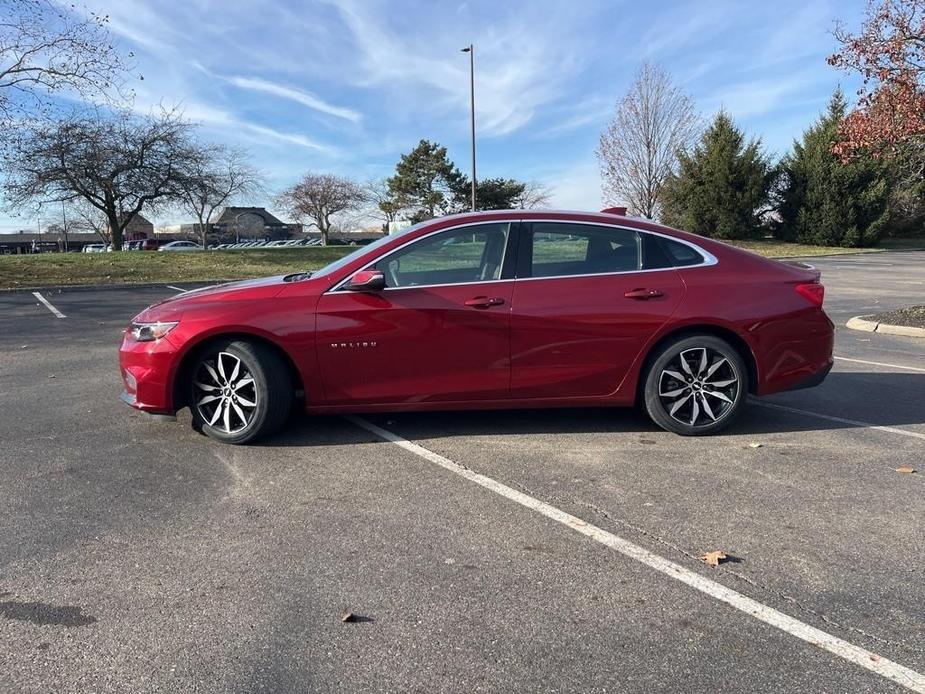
<point>581,249</point>
<point>468,254</point>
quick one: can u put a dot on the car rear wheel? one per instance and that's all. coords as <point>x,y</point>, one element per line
<point>696,385</point>
<point>239,391</point>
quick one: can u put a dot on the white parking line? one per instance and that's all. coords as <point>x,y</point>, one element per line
<point>899,674</point>
<point>48,305</point>
<point>840,420</point>
<point>176,289</point>
<point>880,363</point>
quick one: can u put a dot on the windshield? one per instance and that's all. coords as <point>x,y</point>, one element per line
<point>350,257</point>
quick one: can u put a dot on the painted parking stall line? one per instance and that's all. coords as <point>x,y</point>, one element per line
<point>840,420</point>
<point>868,660</point>
<point>176,289</point>
<point>880,363</point>
<point>48,305</point>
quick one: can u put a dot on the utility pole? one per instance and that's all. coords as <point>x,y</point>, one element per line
<point>64,222</point>
<point>470,49</point>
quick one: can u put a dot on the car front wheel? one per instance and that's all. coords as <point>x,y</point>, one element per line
<point>239,391</point>
<point>696,385</point>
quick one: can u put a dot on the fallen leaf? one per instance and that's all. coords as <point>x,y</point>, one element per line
<point>714,558</point>
<point>908,469</point>
<point>648,441</point>
<point>347,616</point>
<point>755,444</point>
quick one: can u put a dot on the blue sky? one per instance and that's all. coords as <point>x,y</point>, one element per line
<point>348,85</point>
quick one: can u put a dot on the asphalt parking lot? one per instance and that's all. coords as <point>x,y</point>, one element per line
<point>478,551</point>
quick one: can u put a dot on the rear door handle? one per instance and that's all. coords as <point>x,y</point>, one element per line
<point>643,294</point>
<point>484,301</point>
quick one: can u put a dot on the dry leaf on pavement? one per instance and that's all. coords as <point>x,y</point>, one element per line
<point>713,558</point>
<point>908,469</point>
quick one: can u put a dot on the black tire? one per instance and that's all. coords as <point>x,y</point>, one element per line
<point>704,408</point>
<point>240,404</point>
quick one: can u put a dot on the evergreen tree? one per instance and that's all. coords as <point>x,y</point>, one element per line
<point>826,201</point>
<point>490,193</point>
<point>425,182</point>
<point>722,187</point>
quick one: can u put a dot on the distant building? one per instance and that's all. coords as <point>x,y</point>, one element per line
<point>34,242</point>
<point>137,228</point>
<point>237,223</point>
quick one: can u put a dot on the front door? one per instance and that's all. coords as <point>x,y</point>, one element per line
<point>584,307</point>
<point>439,331</point>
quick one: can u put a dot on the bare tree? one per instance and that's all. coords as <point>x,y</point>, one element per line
<point>214,176</point>
<point>119,164</point>
<point>534,195</point>
<point>48,48</point>
<point>87,218</point>
<point>320,198</point>
<point>639,149</point>
<point>382,205</point>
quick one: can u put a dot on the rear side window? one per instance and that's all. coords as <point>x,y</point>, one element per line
<point>681,254</point>
<point>654,257</point>
<point>558,250</point>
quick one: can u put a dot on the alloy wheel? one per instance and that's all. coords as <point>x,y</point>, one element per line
<point>698,387</point>
<point>226,394</point>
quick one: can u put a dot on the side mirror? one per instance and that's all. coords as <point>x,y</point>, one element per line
<point>366,281</point>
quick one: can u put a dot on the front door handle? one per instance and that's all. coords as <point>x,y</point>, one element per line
<point>643,294</point>
<point>484,301</point>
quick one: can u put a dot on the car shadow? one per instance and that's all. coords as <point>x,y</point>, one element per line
<point>881,399</point>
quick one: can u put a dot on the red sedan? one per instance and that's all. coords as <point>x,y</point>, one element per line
<point>508,309</point>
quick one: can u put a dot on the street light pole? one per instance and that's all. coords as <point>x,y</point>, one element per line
<point>470,49</point>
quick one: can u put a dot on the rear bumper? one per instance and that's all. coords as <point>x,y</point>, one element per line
<point>813,380</point>
<point>795,352</point>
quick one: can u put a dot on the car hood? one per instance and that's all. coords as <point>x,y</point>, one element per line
<point>245,290</point>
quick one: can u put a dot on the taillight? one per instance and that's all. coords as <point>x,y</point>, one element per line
<point>813,292</point>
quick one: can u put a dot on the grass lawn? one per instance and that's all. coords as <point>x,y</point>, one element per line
<point>773,248</point>
<point>63,269</point>
<point>68,269</point>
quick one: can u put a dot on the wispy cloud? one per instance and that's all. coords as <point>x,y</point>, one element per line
<point>299,96</point>
<point>520,66</point>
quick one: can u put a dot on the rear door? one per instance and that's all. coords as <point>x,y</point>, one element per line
<point>438,332</point>
<point>584,307</point>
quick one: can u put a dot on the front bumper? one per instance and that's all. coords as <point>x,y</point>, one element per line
<point>147,374</point>
<point>131,401</point>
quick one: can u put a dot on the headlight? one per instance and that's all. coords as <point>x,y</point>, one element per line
<point>147,332</point>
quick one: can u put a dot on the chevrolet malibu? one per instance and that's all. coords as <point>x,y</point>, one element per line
<point>509,309</point>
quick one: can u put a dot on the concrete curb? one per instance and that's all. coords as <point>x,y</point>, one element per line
<point>861,323</point>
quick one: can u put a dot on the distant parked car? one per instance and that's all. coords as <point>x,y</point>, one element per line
<point>180,246</point>
<point>94,248</point>
<point>148,245</point>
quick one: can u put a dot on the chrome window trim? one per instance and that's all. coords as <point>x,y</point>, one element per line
<point>708,258</point>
